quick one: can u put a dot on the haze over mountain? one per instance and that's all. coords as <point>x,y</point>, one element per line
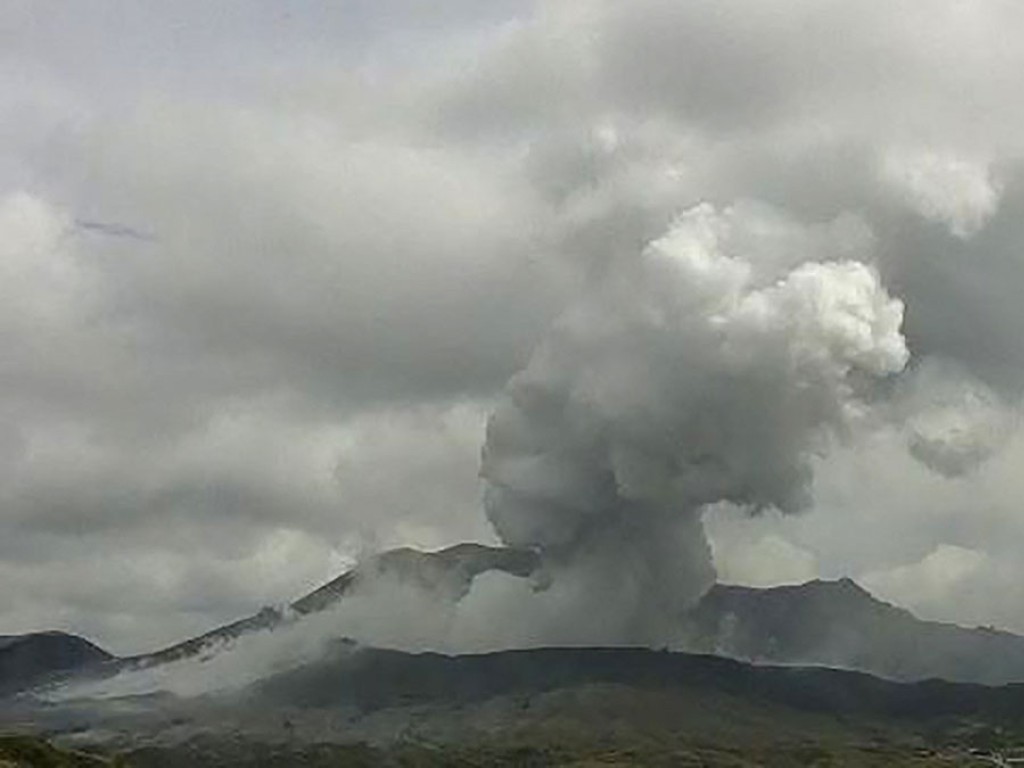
<point>356,705</point>
<point>250,690</point>
<point>830,624</point>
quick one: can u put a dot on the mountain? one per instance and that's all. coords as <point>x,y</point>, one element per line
<point>825,623</point>
<point>355,705</point>
<point>27,659</point>
<point>450,570</point>
<point>839,624</point>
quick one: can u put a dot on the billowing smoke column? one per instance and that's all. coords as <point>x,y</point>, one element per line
<point>688,376</point>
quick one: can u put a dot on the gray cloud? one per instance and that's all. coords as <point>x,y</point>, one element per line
<point>366,219</point>
<point>697,373</point>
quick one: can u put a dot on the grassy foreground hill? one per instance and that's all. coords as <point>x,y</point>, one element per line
<point>551,707</point>
<point>32,752</point>
<point>22,750</point>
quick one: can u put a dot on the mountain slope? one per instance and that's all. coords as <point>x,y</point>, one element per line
<point>450,570</point>
<point>839,624</point>
<point>371,679</point>
<point>827,623</point>
<point>26,659</point>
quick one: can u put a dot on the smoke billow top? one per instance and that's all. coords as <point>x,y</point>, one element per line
<point>691,375</point>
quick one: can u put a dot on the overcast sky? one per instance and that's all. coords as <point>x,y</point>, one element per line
<point>266,266</point>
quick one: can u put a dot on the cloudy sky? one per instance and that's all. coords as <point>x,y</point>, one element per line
<point>265,268</point>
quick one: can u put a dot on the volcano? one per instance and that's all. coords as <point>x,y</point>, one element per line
<point>835,624</point>
<point>759,675</point>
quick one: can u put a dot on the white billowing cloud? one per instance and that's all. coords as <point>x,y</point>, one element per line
<point>932,580</point>
<point>955,583</point>
<point>962,194</point>
<point>685,378</point>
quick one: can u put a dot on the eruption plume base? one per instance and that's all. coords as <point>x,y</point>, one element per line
<point>691,375</point>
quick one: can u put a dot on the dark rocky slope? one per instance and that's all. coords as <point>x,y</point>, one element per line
<point>450,570</point>
<point>371,679</point>
<point>839,624</point>
<point>28,659</point>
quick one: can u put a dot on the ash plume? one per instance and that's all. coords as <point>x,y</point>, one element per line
<point>691,375</point>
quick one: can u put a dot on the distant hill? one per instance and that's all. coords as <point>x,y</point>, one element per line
<point>26,659</point>
<point>839,624</point>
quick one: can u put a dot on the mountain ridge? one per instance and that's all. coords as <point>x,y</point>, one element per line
<point>826,623</point>
<point>451,569</point>
<point>833,623</point>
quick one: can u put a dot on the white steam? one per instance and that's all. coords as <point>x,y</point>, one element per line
<point>688,376</point>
